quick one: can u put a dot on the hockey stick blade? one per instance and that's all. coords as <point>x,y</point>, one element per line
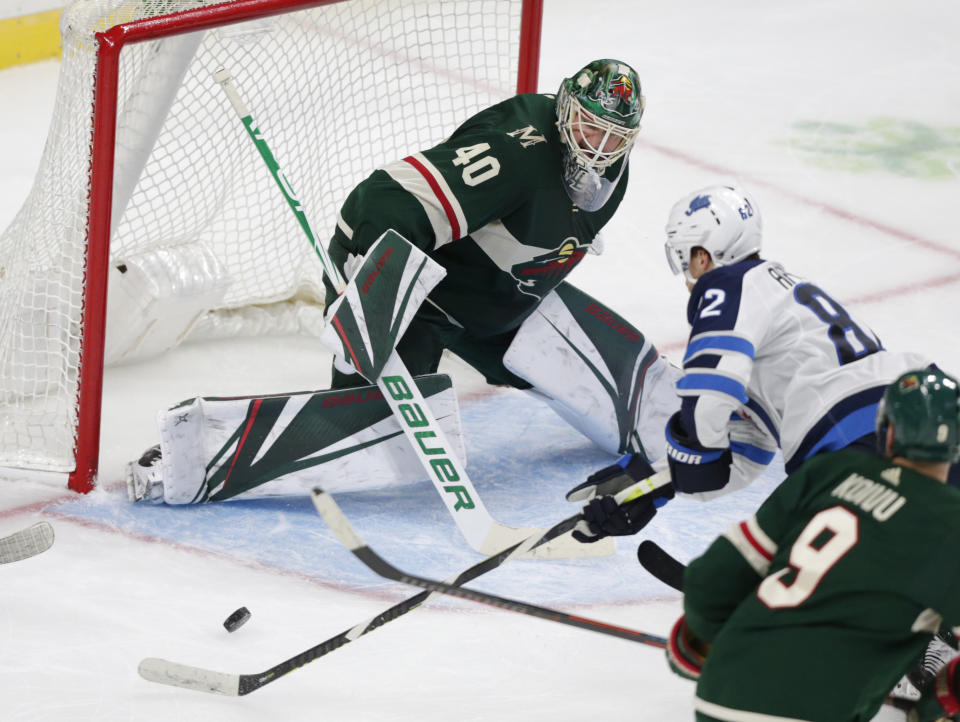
<point>199,679</point>
<point>660,564</point>
<point>26,543</point>
<point>338,523</point>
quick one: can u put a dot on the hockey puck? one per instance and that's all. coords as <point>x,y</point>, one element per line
<point>237,619</point>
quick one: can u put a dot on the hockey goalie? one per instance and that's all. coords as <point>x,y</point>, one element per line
<point>493,220</point>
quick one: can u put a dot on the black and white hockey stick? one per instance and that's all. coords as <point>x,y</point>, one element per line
<point>26,543</point>
<point>479,528</point>
<point>337,521</point>
<point>176,674</point>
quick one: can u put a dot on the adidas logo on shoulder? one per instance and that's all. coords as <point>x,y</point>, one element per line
<point>891,475</point>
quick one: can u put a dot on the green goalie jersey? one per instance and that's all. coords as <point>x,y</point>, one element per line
<point>818,604</point>
<point>489,205</point>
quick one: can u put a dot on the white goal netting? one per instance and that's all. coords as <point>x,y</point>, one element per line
<point>199,231</point>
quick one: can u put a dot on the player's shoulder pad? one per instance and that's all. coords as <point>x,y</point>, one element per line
<point>723,284</point>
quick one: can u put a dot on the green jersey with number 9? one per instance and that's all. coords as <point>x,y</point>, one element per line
<point>489,205</point>
<point>818,604</point>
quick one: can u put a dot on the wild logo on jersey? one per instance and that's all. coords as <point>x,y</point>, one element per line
<point>542,274</point>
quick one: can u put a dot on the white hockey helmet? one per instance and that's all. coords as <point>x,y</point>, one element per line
<point>723,220</point>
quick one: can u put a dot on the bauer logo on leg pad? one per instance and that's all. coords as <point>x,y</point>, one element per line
<point>444,467</point>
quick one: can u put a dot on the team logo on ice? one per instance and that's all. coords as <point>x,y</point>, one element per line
<point>541,275</point>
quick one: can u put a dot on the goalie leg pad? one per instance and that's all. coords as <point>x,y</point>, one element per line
<point>214,449</point>
<point>597,372</point>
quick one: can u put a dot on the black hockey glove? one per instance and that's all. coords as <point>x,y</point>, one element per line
<point>612,479</point>
<point>694,467</point>
<point>603,517</point>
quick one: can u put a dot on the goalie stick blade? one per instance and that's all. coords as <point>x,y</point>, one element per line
<point>158,670</point>
<point>661,565</point>
<point>26,543</point>
<point>338,523</point>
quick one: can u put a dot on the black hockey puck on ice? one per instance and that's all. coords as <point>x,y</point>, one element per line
<point>237,619</point>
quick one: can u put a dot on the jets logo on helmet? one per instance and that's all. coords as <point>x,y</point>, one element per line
<point>698,203</point>
<point>722,220</point>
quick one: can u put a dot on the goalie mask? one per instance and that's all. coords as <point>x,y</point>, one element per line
<point>722,220</point>
<point>924,409</point>
<point>598,115</point>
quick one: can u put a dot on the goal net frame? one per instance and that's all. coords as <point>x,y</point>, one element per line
<point>109,44</point>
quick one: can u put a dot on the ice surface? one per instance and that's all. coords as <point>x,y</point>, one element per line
<point>842,121</point>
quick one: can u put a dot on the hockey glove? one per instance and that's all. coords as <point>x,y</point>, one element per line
<point>603,517</point>
<point>685,653</point>
<point>693,467</point>
<point>612,479</point>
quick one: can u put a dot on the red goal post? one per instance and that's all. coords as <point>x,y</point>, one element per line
<point>408,62</point>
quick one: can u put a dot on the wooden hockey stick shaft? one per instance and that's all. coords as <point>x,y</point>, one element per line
<point>480,529</point>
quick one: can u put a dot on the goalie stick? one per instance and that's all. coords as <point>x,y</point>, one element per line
<point>26,543</point>
<point>481,530</point>
<point>175,674</point>
<point>338,523</point>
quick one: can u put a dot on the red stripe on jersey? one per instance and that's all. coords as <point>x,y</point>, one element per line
<point>753,542</point>
<point>438,192</point>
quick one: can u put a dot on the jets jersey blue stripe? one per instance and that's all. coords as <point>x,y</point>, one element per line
<point>719,343</point>
<point>713,382</point>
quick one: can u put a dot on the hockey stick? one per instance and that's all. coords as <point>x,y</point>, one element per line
<point>480,529</point>
<point>337,521</point>
<point>660,564</point>
<point>175,674</point>
<point>26,543</point>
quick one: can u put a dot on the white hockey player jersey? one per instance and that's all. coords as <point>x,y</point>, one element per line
<point>773,347</point>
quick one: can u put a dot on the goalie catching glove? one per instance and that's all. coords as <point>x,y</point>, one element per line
<point>602,516</point>
<point>685,653</point>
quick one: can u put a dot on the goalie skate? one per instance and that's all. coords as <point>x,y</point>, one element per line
<point>145,477</point>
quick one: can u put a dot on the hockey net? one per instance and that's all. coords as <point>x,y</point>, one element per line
<point>149,180</point>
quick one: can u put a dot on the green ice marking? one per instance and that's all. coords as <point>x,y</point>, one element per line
<point>904,147</point>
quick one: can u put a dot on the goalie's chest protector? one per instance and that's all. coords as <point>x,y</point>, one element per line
<point>503,226</point>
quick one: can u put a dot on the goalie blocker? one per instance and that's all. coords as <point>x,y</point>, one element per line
<point>214,449</point>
